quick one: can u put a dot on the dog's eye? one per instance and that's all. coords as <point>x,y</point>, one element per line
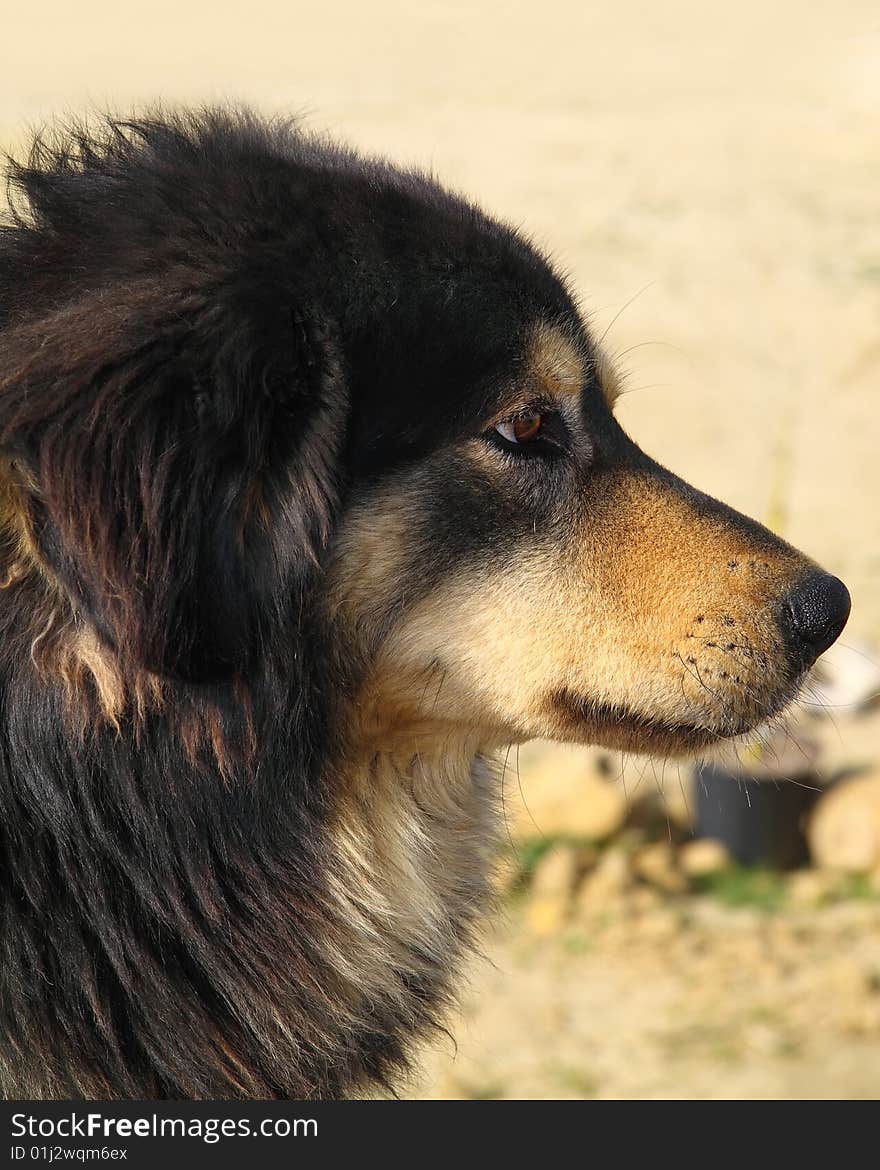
<point>535,431</point>
<point>526,428</point>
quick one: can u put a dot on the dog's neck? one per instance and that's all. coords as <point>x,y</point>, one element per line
<point>414,841</point>
<point>415,838</point>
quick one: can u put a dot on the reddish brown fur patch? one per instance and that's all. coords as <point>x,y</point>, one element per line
<point>67,652</point>
<point>19,552</point>
<point>88,670</point>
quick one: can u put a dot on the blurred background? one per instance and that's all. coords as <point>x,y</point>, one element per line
<point>708,175</point>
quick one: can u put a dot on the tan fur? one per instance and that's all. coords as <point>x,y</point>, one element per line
<point>415,837</point>
<point>637,618</point>
<point>607,376</point>
<point>77,658</point>
<point>415,825</point>
<point>20,555</point>
<point>556,365</point>
<point>644,606</point>
<point>370,555</point>
<point>67,652</point>
<point>83,652</point>
<point>62,647</point>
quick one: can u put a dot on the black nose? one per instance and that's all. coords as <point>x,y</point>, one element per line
<point>816,610</point>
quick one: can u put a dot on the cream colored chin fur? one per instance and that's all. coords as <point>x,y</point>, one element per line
<point>415,838</point>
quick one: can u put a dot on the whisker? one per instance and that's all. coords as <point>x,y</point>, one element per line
<point>625,391</point>
<point>861,653</point>
<point>687,807</point>
<point>522,794</point>
<point>621,353</point>
<point>504,816</point>
<point>623,309</point>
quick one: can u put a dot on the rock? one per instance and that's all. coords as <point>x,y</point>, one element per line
<point>660,925</point>
<point>645,899</point>
<point>608,882</point>
<point>809,888</point>
<point>564,792</point>
<point>556,873</point>
<point>703,858</point>
<point>679,801</point>
<point>720,921</point>
<point>655,864</point>
<point>553,884</point>
<point>844,830</point>
<point>547,916</point>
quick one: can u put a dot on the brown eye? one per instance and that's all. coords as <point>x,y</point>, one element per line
<point>524,429</point>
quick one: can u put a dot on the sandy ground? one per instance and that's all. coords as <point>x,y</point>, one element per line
<point>708,176</point>
<point>692,1000</point>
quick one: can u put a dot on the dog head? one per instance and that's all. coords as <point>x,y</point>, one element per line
<point>264,378</point>
<point>513,564</point>
<point>537,574</point>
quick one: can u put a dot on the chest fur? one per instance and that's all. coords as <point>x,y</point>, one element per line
<point>413,850</point>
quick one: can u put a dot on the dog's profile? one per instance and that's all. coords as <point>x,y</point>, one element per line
<point>311,498</point>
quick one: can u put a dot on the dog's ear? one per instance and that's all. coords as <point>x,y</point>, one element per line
<point>178,457</point>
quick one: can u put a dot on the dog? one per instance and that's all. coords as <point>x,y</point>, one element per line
<point>312,498</point>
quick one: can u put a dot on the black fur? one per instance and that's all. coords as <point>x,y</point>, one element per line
<point>214,334</point>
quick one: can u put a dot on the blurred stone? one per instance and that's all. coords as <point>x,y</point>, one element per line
<point>566,791</point>
<point>607,883</point>
<point>703,858</point>
<point>553,884</point>
<point>717,918</point>
<point>556,873</point>
<point>644,899</point>
<point>655,864</point>
<point>848,983</point>
<point>856,916</point>
<point>844,830</point>
<point>659,925</point>
<point>547,916</point>
<point>678,798</point>
<point>809,888</point>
